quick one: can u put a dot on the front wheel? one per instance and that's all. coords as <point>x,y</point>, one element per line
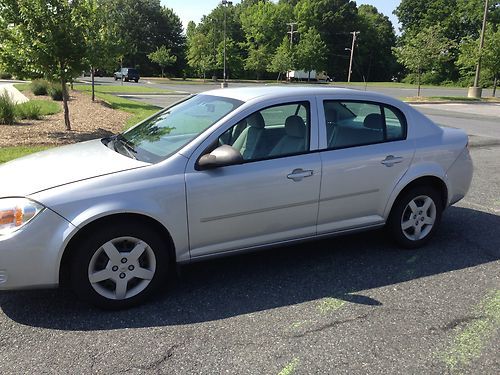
<point>415,217</point>
<point>119,266</point>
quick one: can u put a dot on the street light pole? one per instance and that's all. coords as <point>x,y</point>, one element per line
<point>475,91</point>
<point>225,3</point>
<point>354,35</point>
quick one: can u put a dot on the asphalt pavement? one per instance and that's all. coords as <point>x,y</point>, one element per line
<point>347,305</point>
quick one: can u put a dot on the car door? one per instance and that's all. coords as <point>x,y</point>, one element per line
<point>271,197</point>
<point>366,154</point>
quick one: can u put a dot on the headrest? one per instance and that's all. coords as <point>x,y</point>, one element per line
<point>374,121</point>
<point>256,121</point>
<point>295,127</point>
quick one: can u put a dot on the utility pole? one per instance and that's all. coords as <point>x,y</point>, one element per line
<point>354,35</point>
<point>475,91</point>
<point>291,32</point>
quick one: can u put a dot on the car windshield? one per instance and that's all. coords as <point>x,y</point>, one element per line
<point>162,135</point>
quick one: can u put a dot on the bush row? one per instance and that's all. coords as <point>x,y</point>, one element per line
<point>44,87</point>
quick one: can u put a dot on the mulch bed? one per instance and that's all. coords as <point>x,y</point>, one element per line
<point>89,120</point>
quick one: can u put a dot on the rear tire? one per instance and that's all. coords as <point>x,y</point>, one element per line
<point>119,266</point>
<point>415,217</point>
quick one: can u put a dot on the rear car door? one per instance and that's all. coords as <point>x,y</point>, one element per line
<point>366,154</point>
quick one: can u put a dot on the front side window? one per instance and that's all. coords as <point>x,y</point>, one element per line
<point>354,123</point>
<point>162,135</point>
<point>271,132</point>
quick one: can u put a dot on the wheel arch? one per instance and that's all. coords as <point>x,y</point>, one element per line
<point>114,219</point>
<point>428,180</point>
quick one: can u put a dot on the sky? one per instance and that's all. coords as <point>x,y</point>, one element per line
<point>193,10</point>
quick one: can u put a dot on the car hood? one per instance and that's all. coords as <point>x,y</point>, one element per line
<point>60,166</point>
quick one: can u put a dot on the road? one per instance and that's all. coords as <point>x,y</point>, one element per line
<point>348,305</point>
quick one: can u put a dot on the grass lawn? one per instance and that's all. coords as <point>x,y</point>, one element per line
<point>9,153</point>
<point>445,99</point>
<point>399,85</point>
<point>22,86</point>
<point>125,89</point>
<point>47,107</point>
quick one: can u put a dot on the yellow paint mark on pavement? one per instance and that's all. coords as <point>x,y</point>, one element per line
<point>471,340</point>
<point>290,368</point>
<point>330,304</point>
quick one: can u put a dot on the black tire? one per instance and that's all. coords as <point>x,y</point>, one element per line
<point>90,258</point>
<point>410,224</point>
<point>136,80</point>
<point>116,78</point>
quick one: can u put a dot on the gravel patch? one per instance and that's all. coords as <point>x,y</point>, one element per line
<point>89,120</point>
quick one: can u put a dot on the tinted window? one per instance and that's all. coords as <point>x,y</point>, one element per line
<point>354,123</point>
<point>274,131</point>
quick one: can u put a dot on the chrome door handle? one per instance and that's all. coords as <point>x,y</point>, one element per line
<point>390,160</point>
<point>298,174</point>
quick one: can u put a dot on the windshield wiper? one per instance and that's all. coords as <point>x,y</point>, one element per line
<point>125,143</point>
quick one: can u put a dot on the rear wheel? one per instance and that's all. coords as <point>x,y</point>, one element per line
<point>119,266</point>
<point>415,216</point>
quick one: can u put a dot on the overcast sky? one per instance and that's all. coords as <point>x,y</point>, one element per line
<point>193,10</point>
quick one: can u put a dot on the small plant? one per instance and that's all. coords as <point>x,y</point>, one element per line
<point>29,110</point>
<point>7,109</point>
<point>39,87</point>
<point>55,92</point>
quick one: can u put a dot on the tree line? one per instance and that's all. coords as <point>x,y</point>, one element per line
<point>58,39</point>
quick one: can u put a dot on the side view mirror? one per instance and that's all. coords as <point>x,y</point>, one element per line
<point>222,156</point>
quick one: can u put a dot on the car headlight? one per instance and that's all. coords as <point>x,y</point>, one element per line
<point>16,213</point>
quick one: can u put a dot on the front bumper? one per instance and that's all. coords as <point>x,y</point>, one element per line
<point>30,257</point>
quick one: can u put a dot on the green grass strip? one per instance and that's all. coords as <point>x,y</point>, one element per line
<point>125,89</point>
<point>470,340</point>
<point>47,107</point>
<point>10,153</point>
<point>290,368</point>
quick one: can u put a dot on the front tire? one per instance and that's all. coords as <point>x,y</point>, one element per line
<point>119,266</point>
<point>415,217</point>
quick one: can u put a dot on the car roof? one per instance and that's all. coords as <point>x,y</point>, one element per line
<point>269,92</point>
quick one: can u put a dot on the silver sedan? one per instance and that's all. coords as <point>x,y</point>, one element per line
<point>223,172</point>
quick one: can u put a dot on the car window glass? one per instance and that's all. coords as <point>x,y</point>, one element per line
<point>157,138</point>
<point>274,131</point>
<point>395,124</point>
<point>355,123</point>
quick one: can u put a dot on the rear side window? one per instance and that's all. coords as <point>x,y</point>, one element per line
<point>356,123</point>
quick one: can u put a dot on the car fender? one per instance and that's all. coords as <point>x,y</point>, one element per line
<point>414,172</point>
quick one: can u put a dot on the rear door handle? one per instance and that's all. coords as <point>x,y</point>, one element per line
<point>298,174</point>
<point>390,160</point>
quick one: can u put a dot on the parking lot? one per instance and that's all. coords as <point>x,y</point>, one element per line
<point>355,304</point>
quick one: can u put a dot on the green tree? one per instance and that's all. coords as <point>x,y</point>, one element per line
<point>45,39</point>
<point>100,39</point>
<point>258,59</point>
<point>311,52</point>
<point>200,53</point>
<point>458,20</point>
<point>423,51</point>
<point>334,20</point>
<point>162,57</point>
<point>490,57</point>
<point>282,60</point>
<point>373,58</point>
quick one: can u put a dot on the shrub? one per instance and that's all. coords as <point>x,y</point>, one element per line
<point>55,92</point>
<point>29,110</point>
<point>5,75</point>
<point>7,109</point>
<point>39,87</point>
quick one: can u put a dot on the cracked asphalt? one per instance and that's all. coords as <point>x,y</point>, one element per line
<point>347,305</point>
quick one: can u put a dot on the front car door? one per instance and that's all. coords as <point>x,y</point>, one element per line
<point>366,154</point>
<point>271,197</point>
